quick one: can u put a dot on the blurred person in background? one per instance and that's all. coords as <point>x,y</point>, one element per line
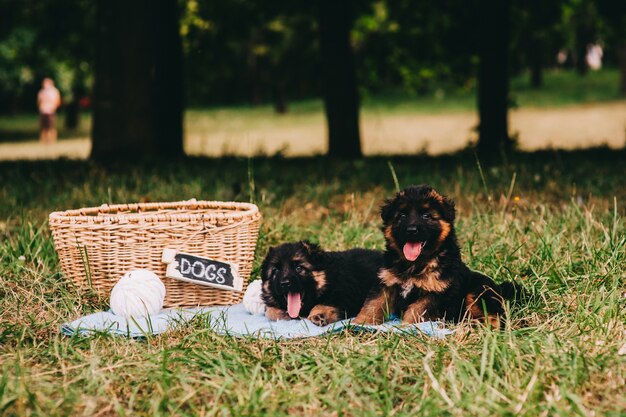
<point>594,56</point>
<point>48,101</point>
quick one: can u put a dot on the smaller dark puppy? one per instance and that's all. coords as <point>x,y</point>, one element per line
<point>302,280</point>
<point>423,275</point>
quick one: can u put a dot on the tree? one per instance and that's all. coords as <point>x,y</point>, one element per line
<point>539,19</point>
<point>621,56</point>
<point>341,101</point>
<point>34,46</point>
<point>72,107</point>
<point>493,77</point>
<point>585,21</point>
<point>138,97</point>
<point>614,13</point>
<point>250,51</point>
<point>286,35</point>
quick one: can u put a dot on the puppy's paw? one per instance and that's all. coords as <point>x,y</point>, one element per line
<point>377,307</point>
<point>276,314</point>
<point>318,319</point>
<point>322,315</point>
<point>371,319</point>
<point>422,309</point>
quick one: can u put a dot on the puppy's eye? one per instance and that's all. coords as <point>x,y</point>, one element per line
<point>403,216</point>
<point>273,271</point>
<point>299,269</point>
<point>426,216</point>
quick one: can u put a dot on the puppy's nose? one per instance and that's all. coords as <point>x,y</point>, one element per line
<point>284,283</point>
<point>412,229</point>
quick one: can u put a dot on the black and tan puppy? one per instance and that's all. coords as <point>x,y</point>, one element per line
<point>302,280</point>
<point>423,276</point>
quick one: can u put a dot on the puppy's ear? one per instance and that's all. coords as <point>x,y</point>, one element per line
<point>312,251</point>
<point>270,252</point>
<point>311,248</point>
<point>449,211</point>
<point>266,263</point>
<point>387,210</point>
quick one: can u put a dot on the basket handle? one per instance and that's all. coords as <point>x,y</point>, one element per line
<point>213,230</point>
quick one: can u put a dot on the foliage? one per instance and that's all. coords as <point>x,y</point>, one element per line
<point>43,39</point>
<point>237,50</point>
<point>415,47</point>
<point>243,51</point>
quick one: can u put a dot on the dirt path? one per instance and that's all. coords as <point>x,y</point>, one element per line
<point>71,148</point>
<point>565,128</point>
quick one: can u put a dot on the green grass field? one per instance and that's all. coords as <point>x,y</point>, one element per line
<point>561,88</point>
<point>553,221</point>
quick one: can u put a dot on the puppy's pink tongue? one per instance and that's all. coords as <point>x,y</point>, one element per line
<point>293,304</point>
<point>412,250</point>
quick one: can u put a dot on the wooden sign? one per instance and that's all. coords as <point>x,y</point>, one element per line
<point>202,271</point>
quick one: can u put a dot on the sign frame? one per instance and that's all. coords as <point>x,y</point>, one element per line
<point>176,261</point>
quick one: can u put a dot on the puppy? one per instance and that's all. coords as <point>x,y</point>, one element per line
<point>302,280</point>
<point>423,276</point>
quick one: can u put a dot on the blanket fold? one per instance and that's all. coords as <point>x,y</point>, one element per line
<point>231,320</point>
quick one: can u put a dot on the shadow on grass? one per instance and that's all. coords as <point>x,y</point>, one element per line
<point>551,176</point>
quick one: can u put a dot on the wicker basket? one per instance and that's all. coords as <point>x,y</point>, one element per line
<point>97,245</point>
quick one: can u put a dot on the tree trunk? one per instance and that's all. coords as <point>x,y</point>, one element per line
<point>536,62</point>
<point>138,93</point>
<point>585,28</point>
<point>252,70</point>
<point>72,114</point>
<point>493,78</point>
<point>72,109</point>
<point>281,102</point>
<point>581,57</point>
<point>341,101</point>
<point>621,59</point>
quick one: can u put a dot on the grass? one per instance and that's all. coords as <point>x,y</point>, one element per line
<point>25,127</point>
<point>553,221</point>
<point>561,88</point>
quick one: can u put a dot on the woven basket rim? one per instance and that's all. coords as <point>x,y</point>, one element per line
<point>194,210</point>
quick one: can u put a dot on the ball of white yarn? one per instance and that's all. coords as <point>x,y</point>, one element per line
<point>139,293</point>
<point>252,300</point>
